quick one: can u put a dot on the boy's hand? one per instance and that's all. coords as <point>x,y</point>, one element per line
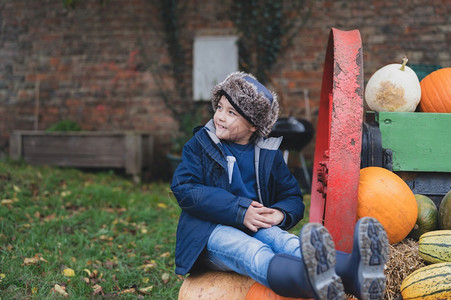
<point>276,216</point>
<point>257,216</point>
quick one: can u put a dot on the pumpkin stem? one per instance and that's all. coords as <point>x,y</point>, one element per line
<point>404,62</point>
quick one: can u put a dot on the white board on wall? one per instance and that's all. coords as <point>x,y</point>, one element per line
<point>215,57</point>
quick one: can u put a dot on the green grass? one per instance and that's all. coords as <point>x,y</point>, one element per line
<point>117,237</point>
<point>112,233</point>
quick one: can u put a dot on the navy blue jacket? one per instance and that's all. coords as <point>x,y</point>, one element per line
<point>201,187</point>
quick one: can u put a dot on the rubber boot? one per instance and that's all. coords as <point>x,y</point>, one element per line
<point>311,276</point>
<point>362,271</point>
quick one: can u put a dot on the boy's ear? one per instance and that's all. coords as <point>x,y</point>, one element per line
<point>253,128</point>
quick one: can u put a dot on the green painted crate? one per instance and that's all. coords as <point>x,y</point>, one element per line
<point>424,70</point>
<point>419,141</point>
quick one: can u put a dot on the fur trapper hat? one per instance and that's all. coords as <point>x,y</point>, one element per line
<point>251,99</point>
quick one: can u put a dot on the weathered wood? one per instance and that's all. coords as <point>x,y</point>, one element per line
<point>147,150</point>
<point>84,149</point>
<point>83,161</point>
<point>419,141</point>
<point>133,154</point>
<point>15,145</point>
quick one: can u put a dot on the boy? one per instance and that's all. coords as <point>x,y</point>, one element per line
<point>238,198</point>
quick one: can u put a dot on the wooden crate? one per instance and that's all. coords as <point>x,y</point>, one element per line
<point>97,149</point>
<point>419,141</point>
<point>420,144</point>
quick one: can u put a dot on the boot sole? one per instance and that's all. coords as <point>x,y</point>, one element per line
<point>318,254</point>
<point>373,247</point>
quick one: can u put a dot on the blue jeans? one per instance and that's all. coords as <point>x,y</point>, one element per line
<point>230,249</point>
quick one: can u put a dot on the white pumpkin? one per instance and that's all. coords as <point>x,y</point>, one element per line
<point>394,87</point>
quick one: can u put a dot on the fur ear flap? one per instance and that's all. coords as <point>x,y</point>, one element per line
<point>251,98</point>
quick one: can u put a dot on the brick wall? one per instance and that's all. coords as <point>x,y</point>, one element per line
<point>96,64</point>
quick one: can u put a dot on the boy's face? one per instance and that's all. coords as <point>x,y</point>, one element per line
<point>230,125</point>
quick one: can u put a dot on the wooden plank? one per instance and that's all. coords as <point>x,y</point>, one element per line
<point>128,149</point>
<point>71,133</point>
<point>419,141</point>
<point>147,150</point>
<point>76,161</point>
<point>73,144</point>
<point>133,153</point>
<point>15,145</point>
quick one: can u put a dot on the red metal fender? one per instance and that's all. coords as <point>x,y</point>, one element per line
<point>339,137</point>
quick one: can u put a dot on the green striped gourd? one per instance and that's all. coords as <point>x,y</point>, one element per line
<point>430,282</point>
<point>444,212</point>
<point>435,246</point>
<point>427,216</point>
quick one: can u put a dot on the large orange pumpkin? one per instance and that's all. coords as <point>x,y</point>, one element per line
<point>261,292</point>
<point>385,196</point>
<point>215,285</point>
<point>436,92</point>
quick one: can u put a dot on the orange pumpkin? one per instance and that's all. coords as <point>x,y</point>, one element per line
<point>385,196</point>
<point>261,292</point>
<point>436,92</point>
<point>215,285</point>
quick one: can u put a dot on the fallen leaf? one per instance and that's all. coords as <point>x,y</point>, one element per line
<point>16,188</point>
<point>33,260</point>
<point>86,279</point>
<point>104,237</point>
<point>109,264</point>
<point>2,276</point>
<point>87,272</point>
<point>165,277</point>
<point>97,289</point>
<point>162,205</point>
<point>50,217</point>
<point>65,193</point>
<point>166,254</point>
<point>147,266</point>
<point>34,290</point>
<point>127,291</point>
<point>60,290</point>
<point>146,290</point>
<point>68,272</point>
<point>7,202</point>
<point>145,280</point>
